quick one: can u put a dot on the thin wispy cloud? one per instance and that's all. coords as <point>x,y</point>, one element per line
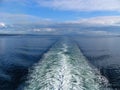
<point>19,2</point>
<point>11,18</point>
<point>21,18</point>
<point>100,33</point>
<point>82,5</point>
<point>101,20</point>
<point>74,5</point>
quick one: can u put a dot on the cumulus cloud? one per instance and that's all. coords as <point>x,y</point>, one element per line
<point>2,24</point>
<point>82,5</point>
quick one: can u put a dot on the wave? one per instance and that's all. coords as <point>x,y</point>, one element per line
<point>64,67</point>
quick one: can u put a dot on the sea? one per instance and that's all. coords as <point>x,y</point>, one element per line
<point>59,62</point>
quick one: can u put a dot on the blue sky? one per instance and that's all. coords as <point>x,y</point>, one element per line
<point>56,10</point>
<point>83,12</point>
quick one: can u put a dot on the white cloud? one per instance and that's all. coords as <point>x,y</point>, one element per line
<point>98,33</point>
<point>43,29</point>
<point>2,24</point>
<point>28,3</point>
<point>22,2</point>
<point>82,5</point>
<point>75,5</point>
<point>21,18</point>
<point>101,20</point>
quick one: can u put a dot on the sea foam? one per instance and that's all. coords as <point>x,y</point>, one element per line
<point>64,67</point>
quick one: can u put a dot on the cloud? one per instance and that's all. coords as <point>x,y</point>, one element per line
<point>24,2</point>
<point>74,5</point>
<point>101,20</point>
<point>2,24</point>
<point>27,3</point>
<point>100,33</point>
<point>97,33</point>
<point>82,5</point>
<point>43,29</point>
<point>21,18</point>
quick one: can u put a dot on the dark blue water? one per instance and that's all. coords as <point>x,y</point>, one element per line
<point>64,67</point>
<point>17,54</point>
<point>104,53</point>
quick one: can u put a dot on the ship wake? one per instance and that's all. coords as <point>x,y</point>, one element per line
<point>64,67</point>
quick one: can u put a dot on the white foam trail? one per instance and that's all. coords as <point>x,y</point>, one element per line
<point>64,68</point>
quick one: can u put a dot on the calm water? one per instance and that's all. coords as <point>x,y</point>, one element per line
<point>104,53</point>
<point>64,67</point>
<point>18,53</point>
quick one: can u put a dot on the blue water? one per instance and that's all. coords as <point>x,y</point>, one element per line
<point>103,53</point>
<point>64,67</point>
<point>20,55</point>
<point>17,54</point>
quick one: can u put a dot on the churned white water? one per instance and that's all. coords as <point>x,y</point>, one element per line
<point>64,67</point>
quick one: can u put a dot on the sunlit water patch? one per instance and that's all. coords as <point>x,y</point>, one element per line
<point>64,67</point>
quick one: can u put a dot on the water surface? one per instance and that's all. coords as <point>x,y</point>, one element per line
<point>17,55</point>
<point>103,53</point>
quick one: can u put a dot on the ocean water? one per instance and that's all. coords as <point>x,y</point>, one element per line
<point>17,55</point>
<point>59,63</point>
<point>103,53</point>
<point>64,67</point>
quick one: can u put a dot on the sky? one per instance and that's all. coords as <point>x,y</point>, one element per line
<point>24,11</point>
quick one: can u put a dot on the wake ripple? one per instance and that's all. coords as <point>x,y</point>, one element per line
<point>64,67</point>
